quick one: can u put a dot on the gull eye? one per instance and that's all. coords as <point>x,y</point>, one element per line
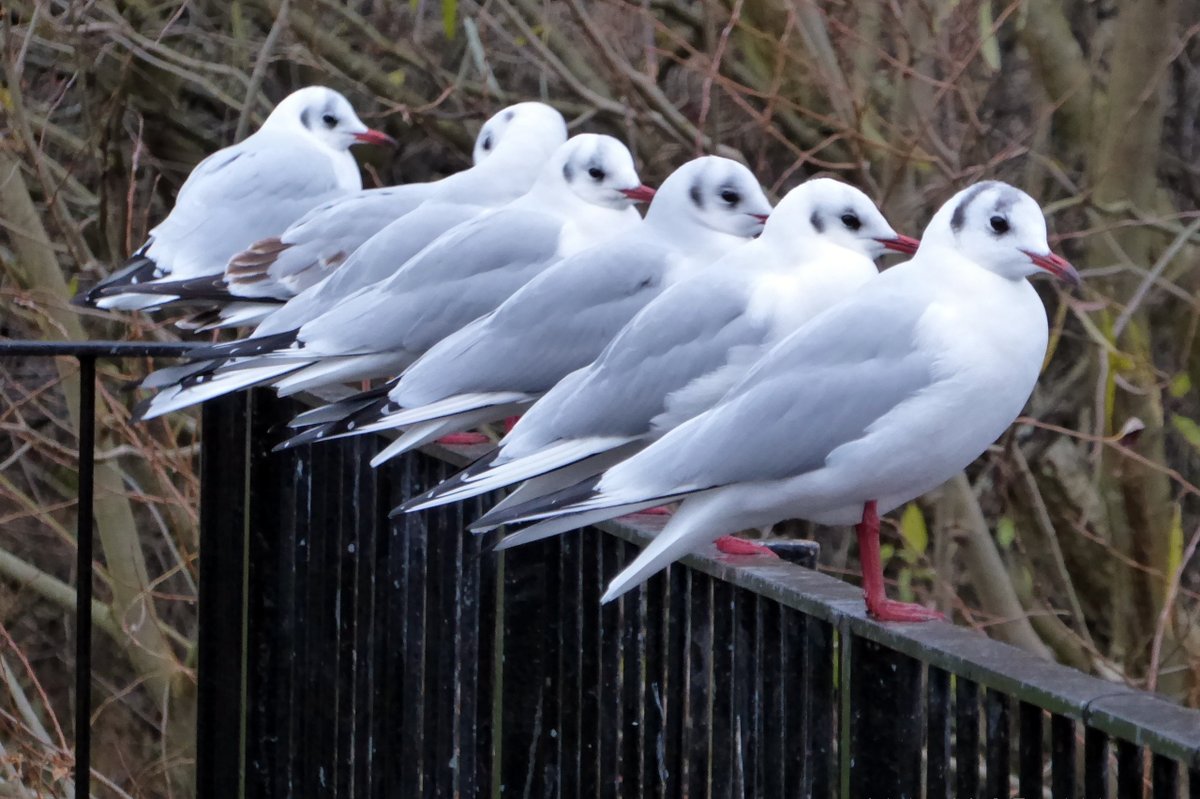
<point>596,173</point>
<point>999,224</point>
<point>731,197</point>
<point>330,120</point>
<point>851,221</point>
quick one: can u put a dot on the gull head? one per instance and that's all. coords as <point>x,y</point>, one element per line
<point>531,129</point>
<point>714,193</point>
<point>1000,228</point>
<point>597,169</point>
<point>326,116</point>
<point>838,213</point>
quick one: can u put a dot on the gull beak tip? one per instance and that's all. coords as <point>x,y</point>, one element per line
<point>641,194</point>
<point>905,244</point>
<point>1058,266</point>
<point>372,136</point>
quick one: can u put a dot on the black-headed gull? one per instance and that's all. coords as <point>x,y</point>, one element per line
<point>585,194</point>
<point>510,151</point>
<point>872,403</point>
<point>297,160</point>
<point>563,318</point>
<point>680,354</point>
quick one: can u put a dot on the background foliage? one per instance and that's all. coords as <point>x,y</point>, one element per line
<point>1071,537</point>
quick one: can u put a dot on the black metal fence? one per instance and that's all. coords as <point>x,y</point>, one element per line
<point>343,654</point>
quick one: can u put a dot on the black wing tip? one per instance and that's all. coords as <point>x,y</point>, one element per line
<point>246,347</point>
<point>480,465</point>
<point>549,504</point>
<point>138,414</point>
<point>312,435</point>
<point>126,280</point>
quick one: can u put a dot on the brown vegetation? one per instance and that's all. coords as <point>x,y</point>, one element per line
<point>1070,537</point>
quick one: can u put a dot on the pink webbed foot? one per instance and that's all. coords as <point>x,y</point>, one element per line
<point>511,422</point>
<point>732,545</point>
<point>463,439</point>
<point>891,610</point>
<point>661,510</point>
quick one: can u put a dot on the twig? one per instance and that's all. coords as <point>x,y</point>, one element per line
<point>1144,287</point>
<point>1168,608</point>
<point>260,69</point>
<point>1045,526</point>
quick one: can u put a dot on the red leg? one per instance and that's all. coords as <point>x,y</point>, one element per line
<point>878,605</point>
<point>510,423</point>
<point>463,439</point>
<point>661,510</point>
<point>732,545</point>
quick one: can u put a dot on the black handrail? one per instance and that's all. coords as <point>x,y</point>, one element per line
<point>87,353</point>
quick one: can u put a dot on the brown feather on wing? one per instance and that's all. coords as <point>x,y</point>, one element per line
<point>252,264</point>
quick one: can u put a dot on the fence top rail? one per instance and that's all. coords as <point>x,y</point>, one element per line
<point>1138,716</point>
<point>98,349</point>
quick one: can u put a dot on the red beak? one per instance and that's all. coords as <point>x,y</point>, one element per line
<point>905,244</point>
<point>375,137</point>
<point>1056,265</point>
<point>760,217</point>
<point>642,194</point>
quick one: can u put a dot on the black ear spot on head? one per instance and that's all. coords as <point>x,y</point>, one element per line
<point>959,217</point>
<point>568,172</point>
<point>509,114</point>
<point>817,222</point>
<point>697,196</point>
<point>306,118</point>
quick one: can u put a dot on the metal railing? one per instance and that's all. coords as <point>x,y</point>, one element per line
<point>346,654</point>
<point>86,353</point>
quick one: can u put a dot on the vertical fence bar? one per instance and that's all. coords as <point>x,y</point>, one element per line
<point>937,779</point>
<point>1130,769</point>
<point>698,726</point>
<point>812,730</point>
<point>966,732</point>
<point>885,720</point>
<point>770,664</point>
<point>1030,744</point>
<point>724,719</point>
<point>1095,764</point>
<point>1062,757</point>
<point>997,743</point>
<point>83,580</point>
<point>221,668</point>
<point>610,672</point>
<point>674,697</point>
<point>1165,774</point>
<point>269,632</point>
<point>571,613</point>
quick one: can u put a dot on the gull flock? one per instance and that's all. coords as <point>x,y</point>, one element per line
<point>749,363</point>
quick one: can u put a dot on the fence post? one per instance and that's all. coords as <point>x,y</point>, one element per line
<point>886,722</point>
<point>221,666</point>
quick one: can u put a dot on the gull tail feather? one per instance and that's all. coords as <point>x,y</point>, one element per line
<point>412,438</point>
<point>457,404</point>
<point>475,481</point>
<point>342,409</point>
<point>550,482</point>
<point>430,498</point>
<point>564,524</point>
<point>339,369</point>
<point>683,534</point>
<point>201,388</point>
